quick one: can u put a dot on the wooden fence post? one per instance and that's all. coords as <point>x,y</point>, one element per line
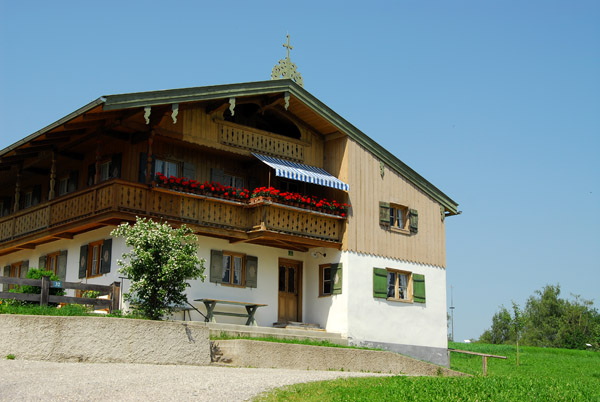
<point>485,366</point>
<point>45,291</point>
<point>115,297</point>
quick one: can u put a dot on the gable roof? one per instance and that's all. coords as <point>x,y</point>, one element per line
<point>285,86</point>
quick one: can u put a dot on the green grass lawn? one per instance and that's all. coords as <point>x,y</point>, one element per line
<point>544,374</point>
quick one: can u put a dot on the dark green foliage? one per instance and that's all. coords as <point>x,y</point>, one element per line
<point>161,261</point>
<point>37,273</point>
<point>547,320</point>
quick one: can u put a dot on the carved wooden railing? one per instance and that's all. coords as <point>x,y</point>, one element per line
<point>138,199</point>
<point>260,141</point>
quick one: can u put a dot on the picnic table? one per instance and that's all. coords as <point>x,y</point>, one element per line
<point>212,303</point>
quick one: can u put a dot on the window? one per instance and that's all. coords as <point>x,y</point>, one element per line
<point>95,258</point>
<point>165,167</point>
<point>27,199</point>
<point>15,270</point>
<point>104,171</point>
<point>235,269</point>
<point>52,262</point>
<point>226,179</point>
<point>107,169</point>
<point>397,285</point>
<point>63,186</point>
<point>398,217</point>
<point>330,279</point>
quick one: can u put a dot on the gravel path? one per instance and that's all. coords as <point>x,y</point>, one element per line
<point>23,380</point>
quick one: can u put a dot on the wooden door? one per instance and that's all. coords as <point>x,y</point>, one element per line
<point>290,291</point>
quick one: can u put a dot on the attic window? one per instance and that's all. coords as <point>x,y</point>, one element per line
<point>248,115</point>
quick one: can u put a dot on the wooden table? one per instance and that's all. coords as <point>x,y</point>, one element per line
<point>212,303</point>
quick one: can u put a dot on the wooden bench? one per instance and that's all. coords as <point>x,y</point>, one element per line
<point>483,355</point>
<point>211,304</point>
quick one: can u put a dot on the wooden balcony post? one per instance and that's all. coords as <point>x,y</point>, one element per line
<point>98,159</point>
<point>17,191</point>
<point>51,193</point>
<point>149,161</point>
<point>45,291</point>
<point>115,297</point>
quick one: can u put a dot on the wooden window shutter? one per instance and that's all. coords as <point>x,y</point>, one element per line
<point>42,262</point>
<point>251,271</point>
<point>189,170</point>
<point>24,269</point>
<point>83,257</point>
<point>336,276</point>
<point>414,220</point>
<point>384,213</point>
<point>380,283</point>
<point>61,272</point>
<point>115,166</point>
<point>6,274</point>
<point>217,175</point>
<point>106,256</point>
<point>73,181</point>
<point>419,288</point>
<point>216,266</point>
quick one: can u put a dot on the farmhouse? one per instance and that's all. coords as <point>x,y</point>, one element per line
<point>293,206</point>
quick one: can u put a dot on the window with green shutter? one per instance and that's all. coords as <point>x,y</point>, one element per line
<point>235,269</point>
<point>419,288</point>
<point>330,279</point>
<point>380,280</point>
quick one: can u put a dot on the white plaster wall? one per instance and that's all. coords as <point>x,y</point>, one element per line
<point>379,320</point>
<point>330,312</point>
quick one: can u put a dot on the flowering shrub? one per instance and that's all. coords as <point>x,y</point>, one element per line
<point>283,197</point>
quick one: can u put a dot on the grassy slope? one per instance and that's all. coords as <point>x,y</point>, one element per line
<point>543,375</point>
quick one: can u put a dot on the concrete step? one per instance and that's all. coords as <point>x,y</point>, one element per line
<point>248,353</point>
<point>289,332</point>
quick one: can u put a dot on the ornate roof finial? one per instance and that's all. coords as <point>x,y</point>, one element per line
<point>286,69</point>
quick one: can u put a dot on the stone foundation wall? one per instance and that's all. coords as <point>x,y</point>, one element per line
<point>104,339</point>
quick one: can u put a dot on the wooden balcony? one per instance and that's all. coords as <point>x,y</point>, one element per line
<point>259,141</point>
<point>117,201</point>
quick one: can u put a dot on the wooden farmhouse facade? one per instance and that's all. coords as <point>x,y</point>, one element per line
<point>293,206</point>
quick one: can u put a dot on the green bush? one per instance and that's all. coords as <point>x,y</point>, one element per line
<point>38,273</point>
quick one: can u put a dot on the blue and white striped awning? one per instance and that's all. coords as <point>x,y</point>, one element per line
<point>301,172</point>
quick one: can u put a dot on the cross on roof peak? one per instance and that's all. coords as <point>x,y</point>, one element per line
<point>289,47</point>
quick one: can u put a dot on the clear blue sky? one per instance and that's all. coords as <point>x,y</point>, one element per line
<point>496,103</point>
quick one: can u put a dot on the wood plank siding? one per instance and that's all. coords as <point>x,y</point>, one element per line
<point>364,234</point>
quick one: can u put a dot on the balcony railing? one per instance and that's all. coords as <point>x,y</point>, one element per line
<point>131,199</point>
<point>260,141</point>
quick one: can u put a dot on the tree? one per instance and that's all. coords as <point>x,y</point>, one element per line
<point>542,315</point>
<point>501,330</point>
<point>161,260</point>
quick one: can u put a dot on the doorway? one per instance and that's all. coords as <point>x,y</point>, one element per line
<point>290,291</point>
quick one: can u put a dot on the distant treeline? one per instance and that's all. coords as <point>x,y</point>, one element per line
<point>547,320</point>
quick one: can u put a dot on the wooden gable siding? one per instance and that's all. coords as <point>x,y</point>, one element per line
<point>200,128</point>
<point>361,170</point>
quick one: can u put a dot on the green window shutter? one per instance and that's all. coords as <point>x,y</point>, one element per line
<point>189,170</point>
<point>83,257</point>
<point>115,166</point>
<point>251,271</point>
<point>216,266</point>
<point>414,221</point>
<point>42,262</point>
<point>380,283</point>
<point>62,266</point>
<point>106,256</point>
<point>336,276</point>
<point>24,269</point>
<point>384,213</point>
<point>419,288</point>
<point>6,274</point>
